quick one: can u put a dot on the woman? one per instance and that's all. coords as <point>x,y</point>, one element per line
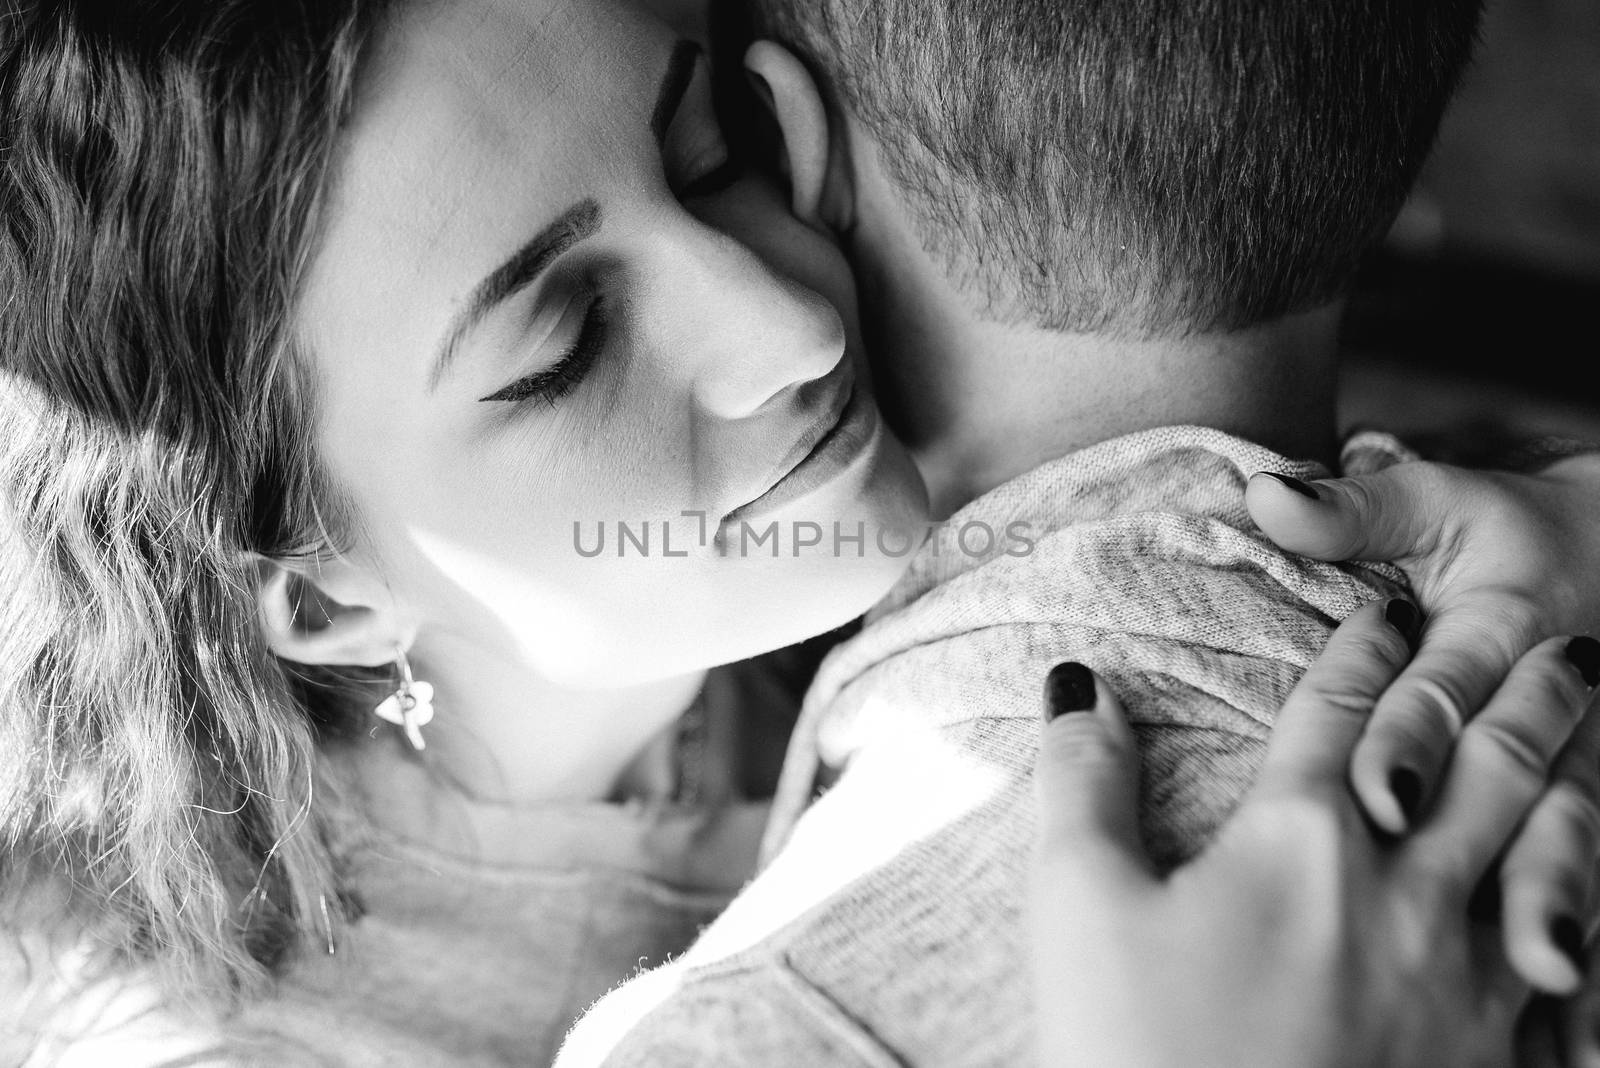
<point>346,419</point>
<point>350,329</point>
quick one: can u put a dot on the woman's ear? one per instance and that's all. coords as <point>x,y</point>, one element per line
<point>814,153</point>
<point>306,624</point>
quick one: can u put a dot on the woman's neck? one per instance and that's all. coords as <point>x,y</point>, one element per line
<point>502,732</point>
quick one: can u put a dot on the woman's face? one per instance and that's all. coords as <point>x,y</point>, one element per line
<point>542,309</point>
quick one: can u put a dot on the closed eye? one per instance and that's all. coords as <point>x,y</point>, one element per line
<point>562,377</point>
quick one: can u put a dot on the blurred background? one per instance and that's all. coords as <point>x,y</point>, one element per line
<point>1482,313</point>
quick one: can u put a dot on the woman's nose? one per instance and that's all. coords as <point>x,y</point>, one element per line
<point>753,333</point>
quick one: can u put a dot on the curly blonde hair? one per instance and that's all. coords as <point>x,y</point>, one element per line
<point>162,163</point>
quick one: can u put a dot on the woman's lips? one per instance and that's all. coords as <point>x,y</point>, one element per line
<point>842,380</point>
<point>826,450</point>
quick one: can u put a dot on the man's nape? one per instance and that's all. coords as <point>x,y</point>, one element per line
<point>1059,221</point>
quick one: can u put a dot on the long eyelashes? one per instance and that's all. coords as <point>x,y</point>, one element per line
<point>556,381</point>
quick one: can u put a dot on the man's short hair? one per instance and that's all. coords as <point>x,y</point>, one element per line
<point>1142,166</point>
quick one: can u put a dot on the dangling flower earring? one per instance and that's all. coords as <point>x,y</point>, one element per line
<point>411,706</point>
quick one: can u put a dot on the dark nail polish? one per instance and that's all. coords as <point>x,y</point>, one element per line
<point>1295,484</point>
<point>1406,785</point>
<point>1068,688</point>
<point>1584,653</point>
<point>1567,934</point>
<point>1404,617</point>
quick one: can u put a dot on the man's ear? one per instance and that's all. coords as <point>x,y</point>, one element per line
<point>814,150</point>
<point>305,623</point>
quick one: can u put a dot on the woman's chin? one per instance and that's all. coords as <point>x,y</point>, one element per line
<point>765,582</point>
<point>764,602</point>
<point>826,559</point>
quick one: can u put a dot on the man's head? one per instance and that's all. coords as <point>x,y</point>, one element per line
<point>1143,167</point>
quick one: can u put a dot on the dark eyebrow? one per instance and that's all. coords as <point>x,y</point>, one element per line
<point>674,84</point>
<point>522,269</point>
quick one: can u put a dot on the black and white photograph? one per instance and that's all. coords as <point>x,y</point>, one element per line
<point>799,533</point>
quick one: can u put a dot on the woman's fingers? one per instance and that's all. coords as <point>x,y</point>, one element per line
<point>1467,648</point>
<point>1397,513</point>
<point>1087,778</point>
<point>1503,759</point>
<point>1547,878</point>
<point>1415,514</point>
<point>1324,716</point>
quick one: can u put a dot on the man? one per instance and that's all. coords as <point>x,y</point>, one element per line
<point>1101,249</point>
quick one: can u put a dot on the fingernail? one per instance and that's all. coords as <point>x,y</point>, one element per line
<point>1584,653</point>
<point>1295,484</point>
<point>1404,617</point>
<point>1406,785</point>
<point>1068,688</point>
<point>1567,934</point>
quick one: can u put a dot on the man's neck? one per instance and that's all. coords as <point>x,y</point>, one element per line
<point>979,403</point>
<point>984,404</point>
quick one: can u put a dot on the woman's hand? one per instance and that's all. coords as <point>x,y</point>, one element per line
<point>1301,936</point>
<point>1501,562</point>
